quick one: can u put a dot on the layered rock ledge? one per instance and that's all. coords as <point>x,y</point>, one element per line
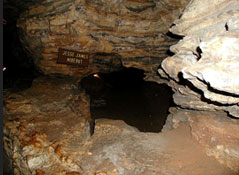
<point>204,69</point>
<point>203,73</point>
<point>131,32</point>
<point>47,127</point>
<point>47,131</point>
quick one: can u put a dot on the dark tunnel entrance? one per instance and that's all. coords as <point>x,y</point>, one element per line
<point>124,95</point>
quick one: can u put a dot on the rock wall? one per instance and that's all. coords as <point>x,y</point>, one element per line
<point>203,73</point>
<point>204,69</point>
<point>131,32</point>
<point>46,132</point>
<point>43,123</point>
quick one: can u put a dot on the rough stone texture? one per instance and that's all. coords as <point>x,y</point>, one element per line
<point>216,132</point>
<point>219,135</point>
<point>203,73</point>
<point>207,57</point>
<point>119,149</point>
<point>114,149</point>
<point>42,123</point>
<point>46,128</point>
<point>47,131</point>
<point>130,32</point>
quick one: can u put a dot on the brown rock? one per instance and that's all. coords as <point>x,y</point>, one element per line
<point>114,149</point>
<point>129,33</point>
<point>38,141</point>
<point>218,134</point>
<point>40,172</point>
<point>73,173</point>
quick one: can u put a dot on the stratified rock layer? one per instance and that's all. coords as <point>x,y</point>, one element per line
<point>207,57</point>
<point>130,32</point>
<point>41,123</point>
<point>204,75</point>
<point>46,132</point>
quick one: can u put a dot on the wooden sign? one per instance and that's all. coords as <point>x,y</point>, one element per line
<point>71,57</point>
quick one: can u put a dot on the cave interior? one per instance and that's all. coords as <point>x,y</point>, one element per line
<point>120,87</point>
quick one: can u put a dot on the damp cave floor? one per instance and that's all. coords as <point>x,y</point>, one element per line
<point>169,153</point>
<point>179,153</point>
<point>182,155</point>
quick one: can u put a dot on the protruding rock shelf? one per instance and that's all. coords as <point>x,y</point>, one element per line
<point>207,57</point>
<point>48,127</point>
<point>134,31</point>
<point>203,73</point>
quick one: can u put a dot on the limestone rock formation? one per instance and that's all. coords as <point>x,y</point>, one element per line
<point>207,57</point>
<point>203,73</point>
<point>128,32</point>
<point>44,122</point>
<point>46,132</point>
<point>213,130</point>
<point>216,133</point>
<point>47,127</point>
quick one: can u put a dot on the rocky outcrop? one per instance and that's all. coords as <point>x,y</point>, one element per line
<point>216,133</point>
<point>47,127</point>
<point>128,32</point>
<point>47,132</point>
<point>204,74</point>
<point>44,122</point>
<point>213,130</point>
<point>205,65</point>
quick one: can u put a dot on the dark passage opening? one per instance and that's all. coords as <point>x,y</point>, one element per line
<point>124,95</point>
<point>19,69</point>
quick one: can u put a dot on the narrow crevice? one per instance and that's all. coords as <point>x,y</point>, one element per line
<point>19,67</point>
<point>172,35</point>
<point>199,53</point>
<point>226,27</point>
<point>232,117</point>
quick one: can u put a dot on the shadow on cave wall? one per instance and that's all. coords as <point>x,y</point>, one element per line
<point>20,69</point>
<point>124,95</point>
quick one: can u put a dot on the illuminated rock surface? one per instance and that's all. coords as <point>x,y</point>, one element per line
<point>133,33</point>
<point>207,57</point>
<point>47,127</point>
<point>203,73</point>
<point>47,131</point>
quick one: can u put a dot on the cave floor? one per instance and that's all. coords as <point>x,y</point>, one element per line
<point>132,152</point>
<point>49,129</point>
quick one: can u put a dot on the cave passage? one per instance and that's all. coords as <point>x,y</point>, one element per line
<point>124,95</point>
<point>19,67</point>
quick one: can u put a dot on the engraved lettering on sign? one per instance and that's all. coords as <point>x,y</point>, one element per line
<point>73,57</point>
<point>78,55</point>
<point>68,53</point>
<point>74,60</point>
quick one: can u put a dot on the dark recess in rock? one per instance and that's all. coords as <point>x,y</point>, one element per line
<point>124,95</point>
<point>187,83</point>
<point>20,69</point>
<point>172,35</point>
